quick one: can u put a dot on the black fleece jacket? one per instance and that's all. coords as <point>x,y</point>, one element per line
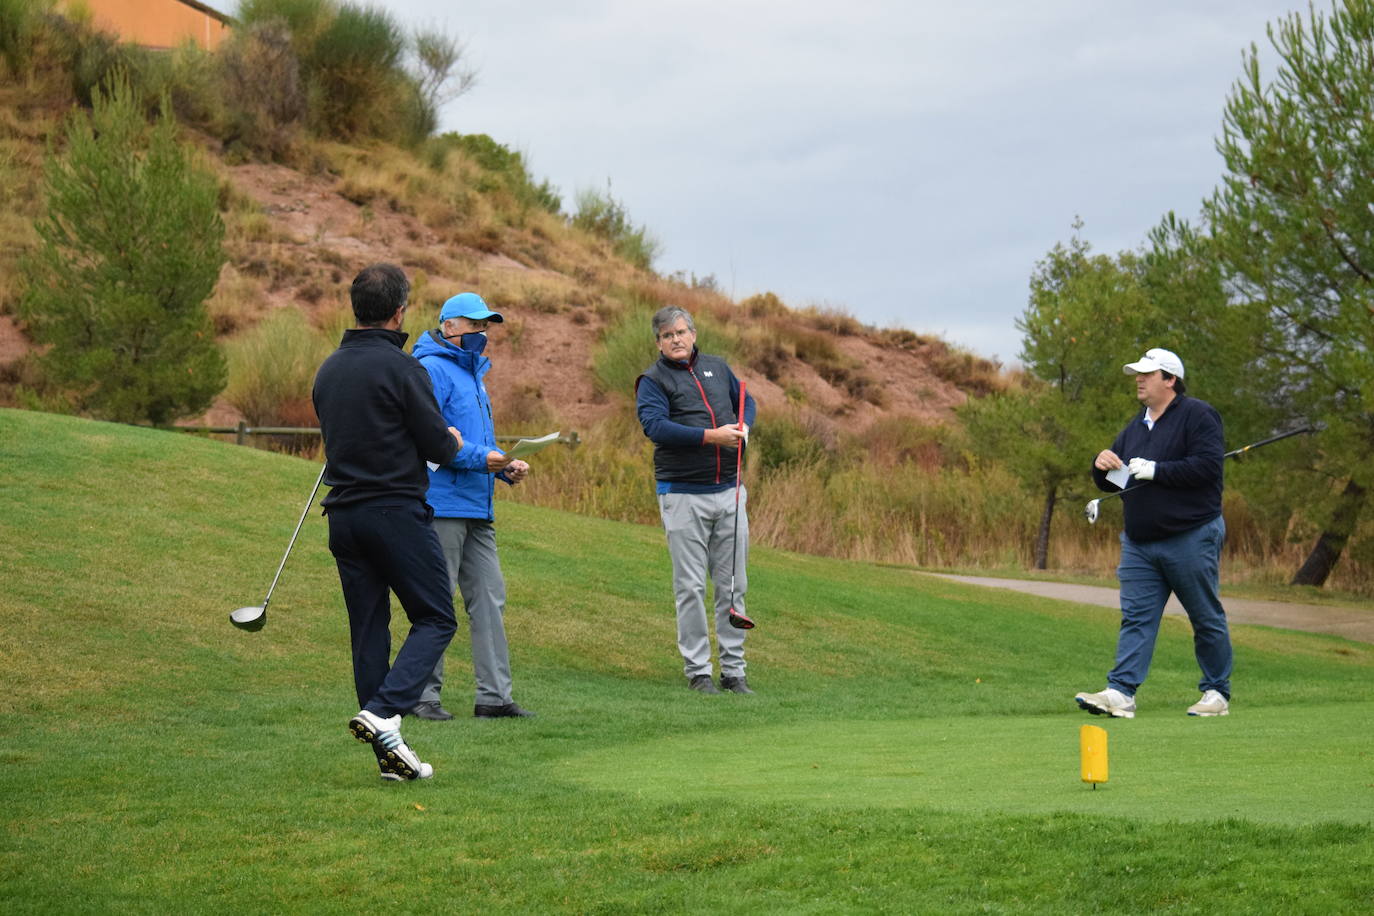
<point>379,420</point>
<point>1187,446</point>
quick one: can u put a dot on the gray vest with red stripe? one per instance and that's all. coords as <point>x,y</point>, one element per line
<point>699,396</point>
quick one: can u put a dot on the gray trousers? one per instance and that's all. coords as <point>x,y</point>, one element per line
<point>474,570</point>
<point>701,537</point>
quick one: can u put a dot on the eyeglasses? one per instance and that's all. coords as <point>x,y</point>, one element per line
<point>674,335</point>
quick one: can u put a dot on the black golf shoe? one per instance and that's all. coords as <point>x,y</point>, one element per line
<point>504,711</point>
<point>702,683</point>
<point>735,684</point>
<point>434,712</point>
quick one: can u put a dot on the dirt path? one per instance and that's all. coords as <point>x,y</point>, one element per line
<point>1338,621</point>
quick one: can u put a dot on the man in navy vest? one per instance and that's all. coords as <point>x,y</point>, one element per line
<point>1170,458</point>
<point>688,403</point>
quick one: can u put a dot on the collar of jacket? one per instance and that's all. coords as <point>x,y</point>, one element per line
<point>368,335</point>
<point>680,366</point>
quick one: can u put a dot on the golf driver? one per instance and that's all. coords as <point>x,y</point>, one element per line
<point>255,618</point>
<point>1090,511</point>
<point>737,618</point>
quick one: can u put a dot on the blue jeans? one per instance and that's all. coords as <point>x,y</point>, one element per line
<point>1187,565</point>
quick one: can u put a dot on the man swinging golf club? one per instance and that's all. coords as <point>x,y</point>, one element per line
<point>689,406</point>
<point>1173,537</point>
<point>380,425</point>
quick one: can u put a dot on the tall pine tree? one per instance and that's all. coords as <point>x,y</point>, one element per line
<point>131,246</point>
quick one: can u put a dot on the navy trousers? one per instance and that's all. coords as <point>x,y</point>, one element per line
<point>384,546</point>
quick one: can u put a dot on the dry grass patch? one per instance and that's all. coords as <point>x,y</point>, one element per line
<point>237,302</point>
<point>529,291</point>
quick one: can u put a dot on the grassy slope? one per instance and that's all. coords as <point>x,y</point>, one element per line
<point>912,746</point>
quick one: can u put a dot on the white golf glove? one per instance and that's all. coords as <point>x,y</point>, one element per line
<point>1142,469</point>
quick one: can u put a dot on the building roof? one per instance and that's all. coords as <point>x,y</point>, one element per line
<point>209,11</point>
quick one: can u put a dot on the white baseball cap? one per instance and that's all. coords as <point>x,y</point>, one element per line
<point>1156,359</point>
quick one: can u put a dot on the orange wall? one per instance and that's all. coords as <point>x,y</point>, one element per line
<point>155,23</point>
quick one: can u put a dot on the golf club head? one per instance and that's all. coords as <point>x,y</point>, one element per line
<point>739,621</point>
<point>1090,512</point>
<point>251,619</point>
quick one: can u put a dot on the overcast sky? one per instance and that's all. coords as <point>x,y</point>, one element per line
<point>908,161</point>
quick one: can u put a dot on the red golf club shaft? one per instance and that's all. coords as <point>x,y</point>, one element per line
<point>739,620</point>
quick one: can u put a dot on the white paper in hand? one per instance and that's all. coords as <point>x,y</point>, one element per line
<point>1120,476</point>
<point>526,447</point>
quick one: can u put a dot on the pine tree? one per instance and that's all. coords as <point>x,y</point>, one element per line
<point>1294,232</point>
<point>131,246</point>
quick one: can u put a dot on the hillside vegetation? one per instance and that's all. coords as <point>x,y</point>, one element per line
<point>860,452</point>
<point>912,747</point>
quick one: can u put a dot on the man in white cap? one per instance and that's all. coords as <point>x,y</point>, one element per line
<point>1172,452</point>
<point>461,493</point>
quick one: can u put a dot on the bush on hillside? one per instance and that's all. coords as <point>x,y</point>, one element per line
<point>304,20</point>
<point>20,23</point>
<point>503,169</point>
<point>272,367</point>
<point>262,90</point>
<point>353,72</point>
<point>130,249</point>
<point>606,218</point>
<point>625,349</point>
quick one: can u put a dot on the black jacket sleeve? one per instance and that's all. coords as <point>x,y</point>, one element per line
<point>425,422</point>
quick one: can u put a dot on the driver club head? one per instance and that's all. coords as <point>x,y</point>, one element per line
<point>1090,511</point>
<point>251,619</point>
<point>739,621</point>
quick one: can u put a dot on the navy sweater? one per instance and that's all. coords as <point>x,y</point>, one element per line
<point>379,420</point>
<point>1187,446</point>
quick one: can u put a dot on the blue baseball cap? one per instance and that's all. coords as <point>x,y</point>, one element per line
<point>468,305</point>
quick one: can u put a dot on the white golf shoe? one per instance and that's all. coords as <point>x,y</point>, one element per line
<point>1110,702</point>
<point>394,757</point>
<point>1211,704</point>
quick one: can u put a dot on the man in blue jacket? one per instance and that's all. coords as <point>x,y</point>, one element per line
<point>461,492</point>
<point>689,406</point>
<point>380,424</point>
<point>1173,453</point>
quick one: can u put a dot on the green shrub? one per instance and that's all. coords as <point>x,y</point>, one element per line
<point>131,246</point>
<point>354,69</point>
<point>786,437</point>
<point>504,168</point>
<point>262,88</point>
<point>20,21</point>
<point>272,367</point>
<point>605,217</point>
<point>304,19</point>
<point>765,305</point>
<point>625,350</point>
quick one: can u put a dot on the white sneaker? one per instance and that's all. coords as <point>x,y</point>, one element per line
<point>1211,704</point>
<point>394,757</point>
<point>1110,702</point>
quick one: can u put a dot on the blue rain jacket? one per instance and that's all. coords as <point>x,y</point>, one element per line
<point>464,487</point>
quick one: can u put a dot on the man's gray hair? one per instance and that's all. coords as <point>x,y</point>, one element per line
<point>668,315</point>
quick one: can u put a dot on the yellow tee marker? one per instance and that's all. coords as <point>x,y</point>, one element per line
<point>1092,752</point>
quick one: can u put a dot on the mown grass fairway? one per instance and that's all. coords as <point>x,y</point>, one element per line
<point>913,746</point>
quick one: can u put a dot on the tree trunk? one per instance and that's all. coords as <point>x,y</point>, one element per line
<point>1319,563</point>
<point>1042,537</point>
